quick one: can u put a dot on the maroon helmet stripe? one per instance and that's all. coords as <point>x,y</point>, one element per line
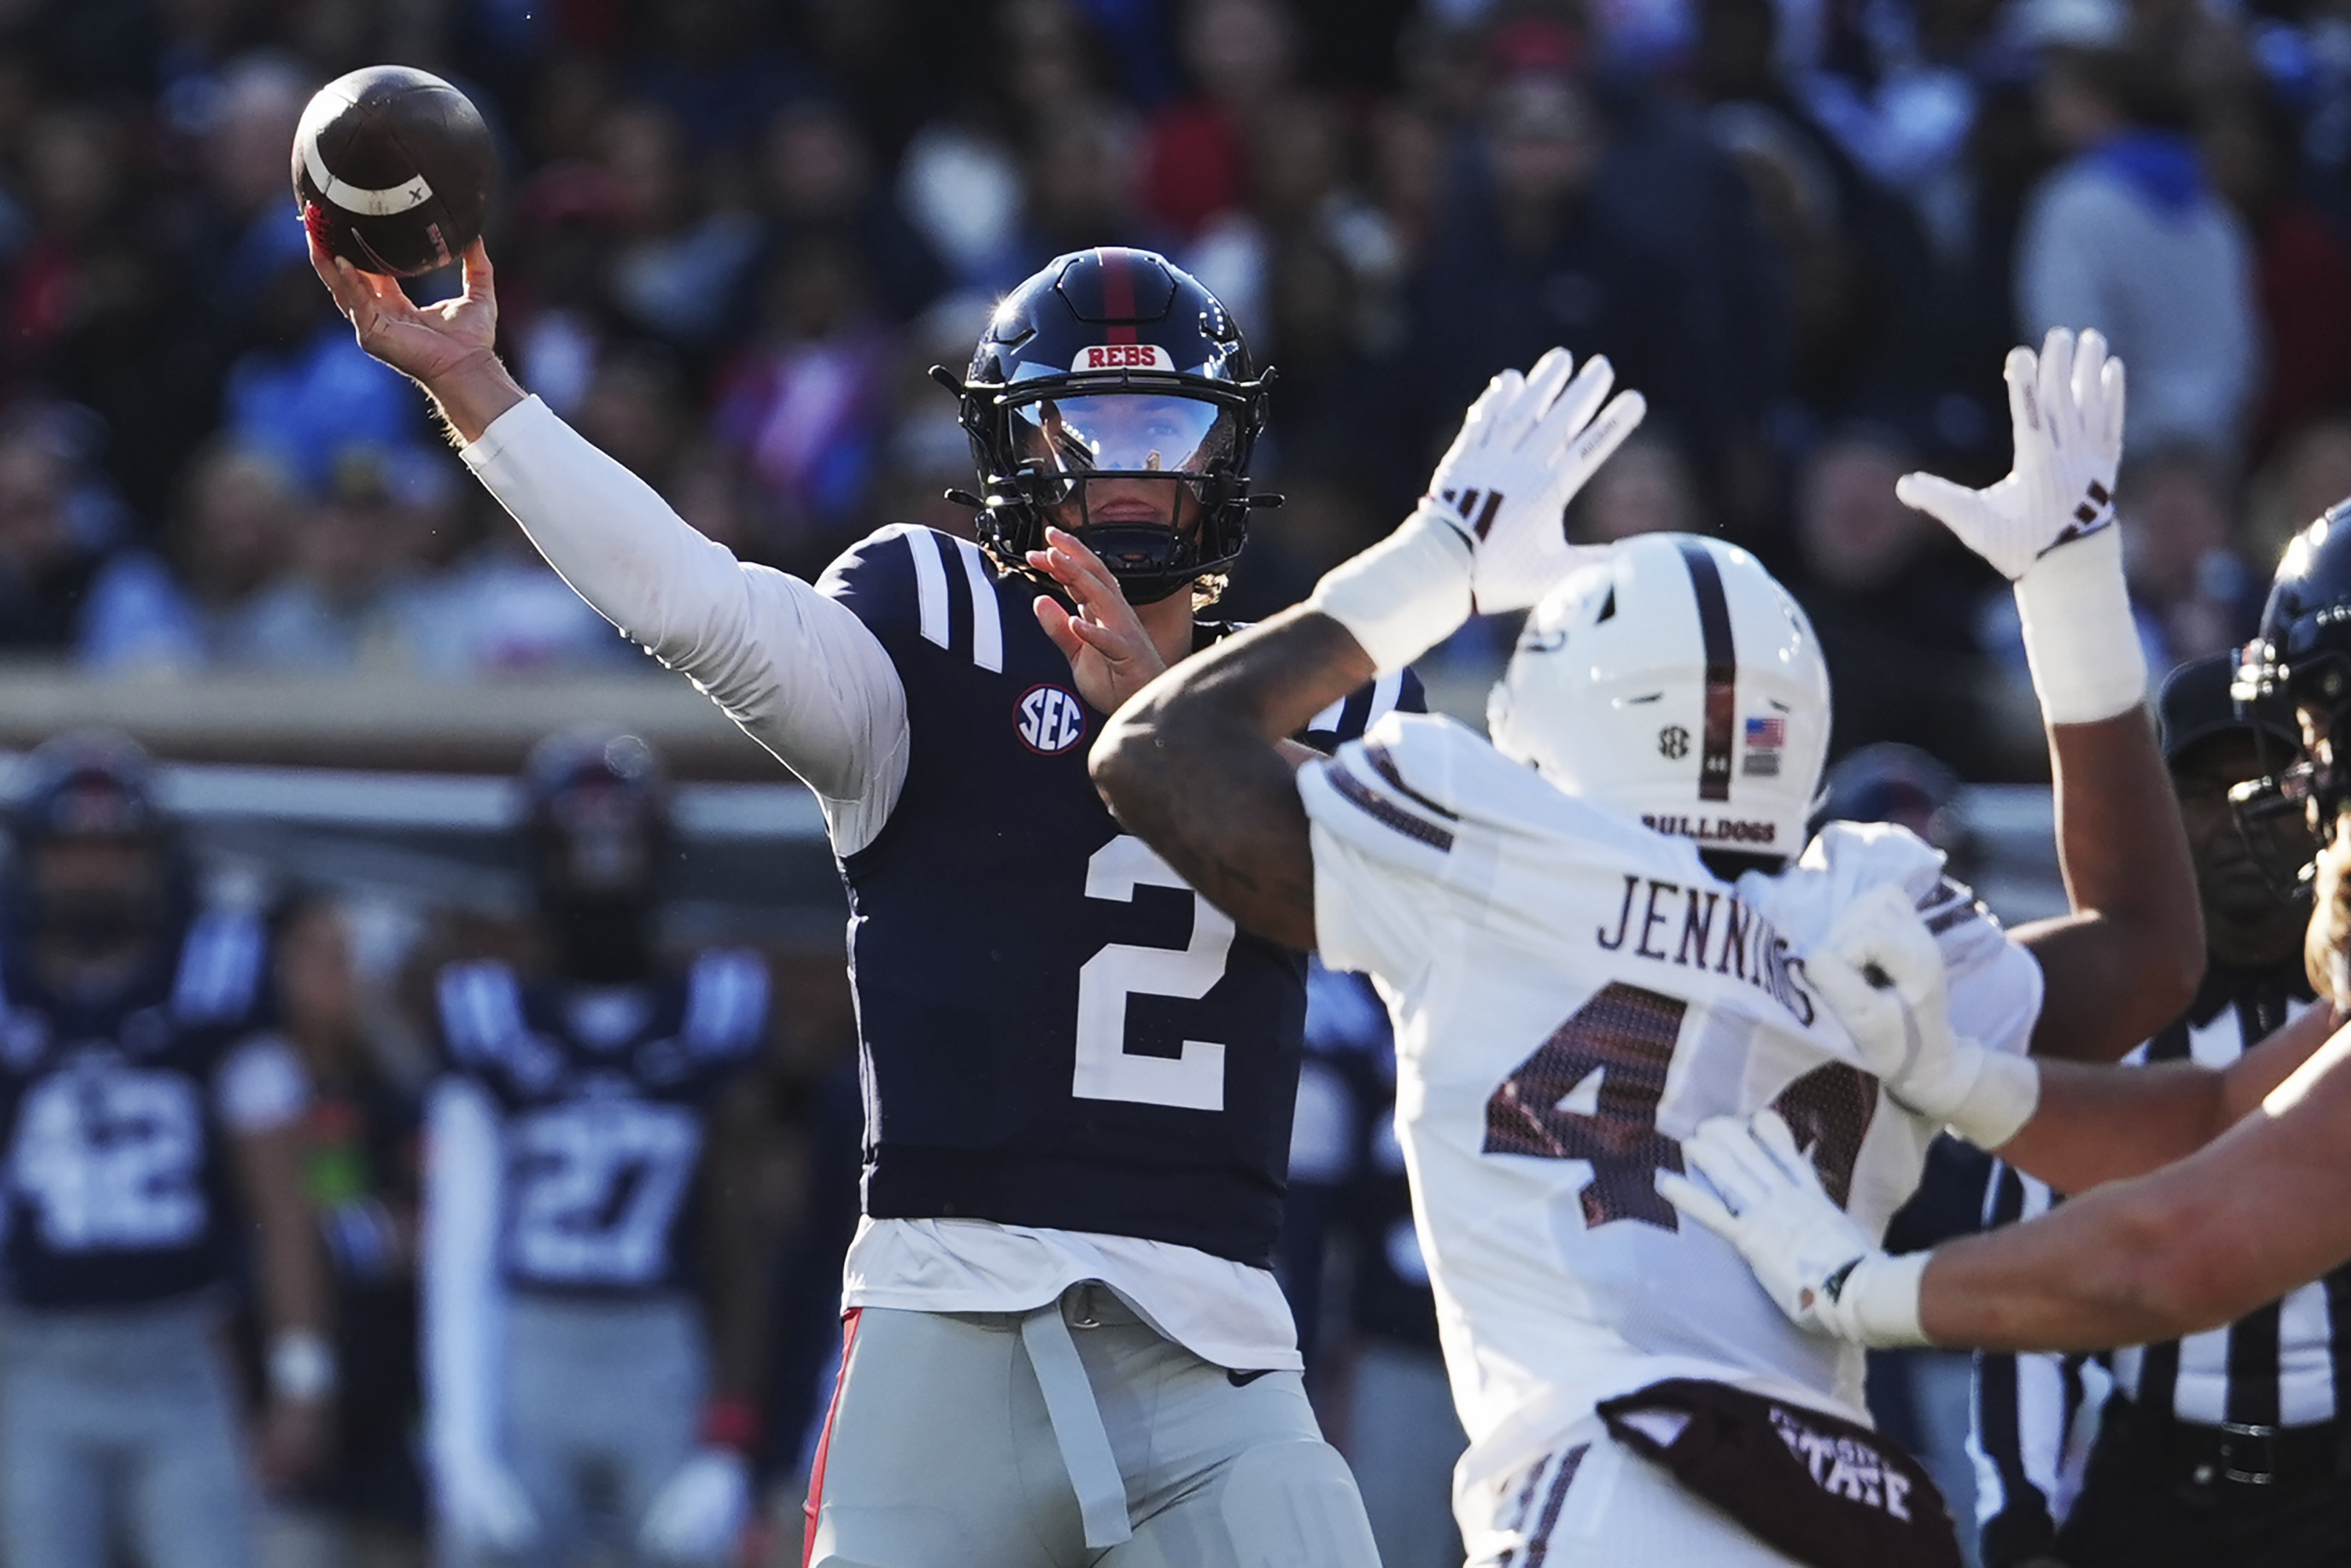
<point>1118,293</point>
<point>1722,671</point>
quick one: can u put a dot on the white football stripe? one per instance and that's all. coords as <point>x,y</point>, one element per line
<point>351,198</point>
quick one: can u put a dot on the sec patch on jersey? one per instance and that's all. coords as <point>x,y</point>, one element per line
<point>1051,720</point>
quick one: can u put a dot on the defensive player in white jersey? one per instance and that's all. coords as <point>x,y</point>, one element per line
<point>1599,930</point>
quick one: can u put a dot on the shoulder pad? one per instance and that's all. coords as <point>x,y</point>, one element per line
<point>907,582</point>
<point>221,968</point>
<point>726,1003</point>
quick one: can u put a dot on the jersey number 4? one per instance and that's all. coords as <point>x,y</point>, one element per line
<point>1106,1069</point>
<point>1591,1093</point>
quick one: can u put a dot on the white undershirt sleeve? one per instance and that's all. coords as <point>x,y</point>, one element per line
<point>261,1086</point>
<point>800,674</point>
<point>462,1303</point>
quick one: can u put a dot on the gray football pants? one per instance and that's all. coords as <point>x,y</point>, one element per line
<point>601,1405</point>
<point>119,1425</point>
<point>1073,1435</point>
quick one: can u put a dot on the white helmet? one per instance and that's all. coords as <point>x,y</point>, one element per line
<point>1678,681</point>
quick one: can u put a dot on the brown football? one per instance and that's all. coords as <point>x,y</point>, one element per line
<point>392,169</point>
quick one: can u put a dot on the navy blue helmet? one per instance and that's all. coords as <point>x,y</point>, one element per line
<point>1116,364</point>
<point>2300,660</point>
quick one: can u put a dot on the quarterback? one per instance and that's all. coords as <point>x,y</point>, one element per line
<point>1078,1076</point>
<point>1607,925</point>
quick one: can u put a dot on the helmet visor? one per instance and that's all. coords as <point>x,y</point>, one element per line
<point>1123,433</point>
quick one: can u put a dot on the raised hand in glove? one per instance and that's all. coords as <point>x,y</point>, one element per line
<point>1881,973</point>
<point>1491,533</point>
<point>2066,407</point>
<point>1529,443</point>
<point>698,1517</point>
<point>2049,526</point>
<point>1819,1267</point>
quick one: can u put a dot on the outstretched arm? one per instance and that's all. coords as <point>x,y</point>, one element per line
<point>1194,763</point>
<point>2198,1243</point>
<point>2127,959</point>
<point>794,668</point>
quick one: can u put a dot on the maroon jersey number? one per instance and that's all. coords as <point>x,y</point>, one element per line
<point>1625,1036</point>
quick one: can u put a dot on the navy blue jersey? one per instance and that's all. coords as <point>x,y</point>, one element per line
<point>1056,1029</point>
<point>603,1093</point>
<point>119,1188</point>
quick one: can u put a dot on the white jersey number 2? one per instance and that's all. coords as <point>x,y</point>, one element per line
<point>110,1158</point>
<point>1106,1069</point>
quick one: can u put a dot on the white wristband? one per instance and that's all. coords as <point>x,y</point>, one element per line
<point>1402,596</point>
<point>1877,1302</point>
<point>301,1366</point>
<point>2079,635</point>
<point>2006,1093</point>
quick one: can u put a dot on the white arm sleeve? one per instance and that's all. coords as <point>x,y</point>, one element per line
<point>462,1306</point>
<point>802,675</point>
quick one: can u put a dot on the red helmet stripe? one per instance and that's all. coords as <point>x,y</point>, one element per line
<point>1118,292</point>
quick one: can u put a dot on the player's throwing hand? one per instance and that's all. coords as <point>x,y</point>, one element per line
<point>426,341</point>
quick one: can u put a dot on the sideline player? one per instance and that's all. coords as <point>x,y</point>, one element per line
<point>592,1172</point>
<point>151,1114</point>
<point>1593,934</point>
<point>2256,1200</point>
<point>1079,1077</point>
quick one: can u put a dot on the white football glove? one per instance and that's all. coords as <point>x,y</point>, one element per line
<point>1881,973</point>
<point>1819,1267</point>
<point>482,1507</point>
<point>2049,526</point>
<point>2066,404</point>
<point>698,1515</point>
<point>1491,533</point>
<point>1528,445</point>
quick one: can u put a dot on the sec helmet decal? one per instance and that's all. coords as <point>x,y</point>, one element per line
<point>1051,720</point>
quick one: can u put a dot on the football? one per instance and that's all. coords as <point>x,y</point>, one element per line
<point>392,169</point>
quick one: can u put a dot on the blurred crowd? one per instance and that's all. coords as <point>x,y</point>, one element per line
<point>732,236</point>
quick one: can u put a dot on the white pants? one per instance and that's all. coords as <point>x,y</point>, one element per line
<point>1006,1439</point>
<point>1593,1503</point>
<point>120,1424</point>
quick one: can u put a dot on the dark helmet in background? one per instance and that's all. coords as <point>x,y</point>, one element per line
<point>1116,364</point>
<point>92,787</point>
<point>596,822</point>
<point>2300,660</point>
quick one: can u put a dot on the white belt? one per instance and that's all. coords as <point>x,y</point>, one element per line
<point>1077,1425</point>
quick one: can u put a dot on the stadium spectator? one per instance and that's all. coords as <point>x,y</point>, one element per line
<point>2129,237</point>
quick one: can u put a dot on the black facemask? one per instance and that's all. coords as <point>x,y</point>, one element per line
<point>604,941</point>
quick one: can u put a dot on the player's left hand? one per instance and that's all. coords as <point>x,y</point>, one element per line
<point>1111,655</point>
<point>699,1513</point>
<point>1807,1253</point>
<point>2326,941</point>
